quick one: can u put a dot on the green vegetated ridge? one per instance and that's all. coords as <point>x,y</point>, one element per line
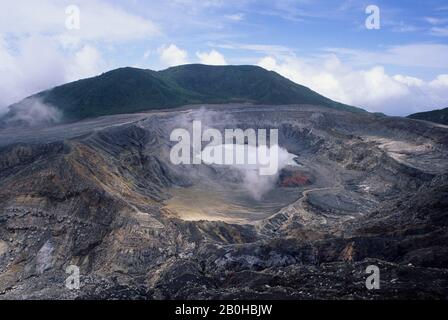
<point>129,90</point>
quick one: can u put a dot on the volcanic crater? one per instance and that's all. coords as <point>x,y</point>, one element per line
<point>102,194</point>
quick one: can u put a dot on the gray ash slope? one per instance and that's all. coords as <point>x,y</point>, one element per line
<point>95,194</point>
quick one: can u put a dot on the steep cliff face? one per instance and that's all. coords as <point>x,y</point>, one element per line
<point>104,196</point>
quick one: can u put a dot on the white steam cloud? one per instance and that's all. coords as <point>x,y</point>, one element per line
<point>255,183</point>
<point>33,112</point>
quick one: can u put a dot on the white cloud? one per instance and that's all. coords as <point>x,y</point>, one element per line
<point>99,20</point>
<point>195,5</point>
<point>27,68</point>
<point>409,81</point>
<point>235,17</point>
<point>172,55</point>
<point>38,52</point>
<point>435,21</point>
<point>211,58</point>
<point>410,55</point>
<point>87,62</point>
<point>439,31</point>
<point>372,88</point>
<point>146,54</point>
<point>264,48</point>
<point>36,63</point>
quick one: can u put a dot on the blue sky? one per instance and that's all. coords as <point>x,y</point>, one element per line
<point>398,69</point>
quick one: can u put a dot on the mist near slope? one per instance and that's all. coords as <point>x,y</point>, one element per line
<point>32,112</point>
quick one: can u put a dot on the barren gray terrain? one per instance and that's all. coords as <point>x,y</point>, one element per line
<point>102,194</point>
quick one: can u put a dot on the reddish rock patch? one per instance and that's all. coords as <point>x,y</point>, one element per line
<point>294,179</point>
